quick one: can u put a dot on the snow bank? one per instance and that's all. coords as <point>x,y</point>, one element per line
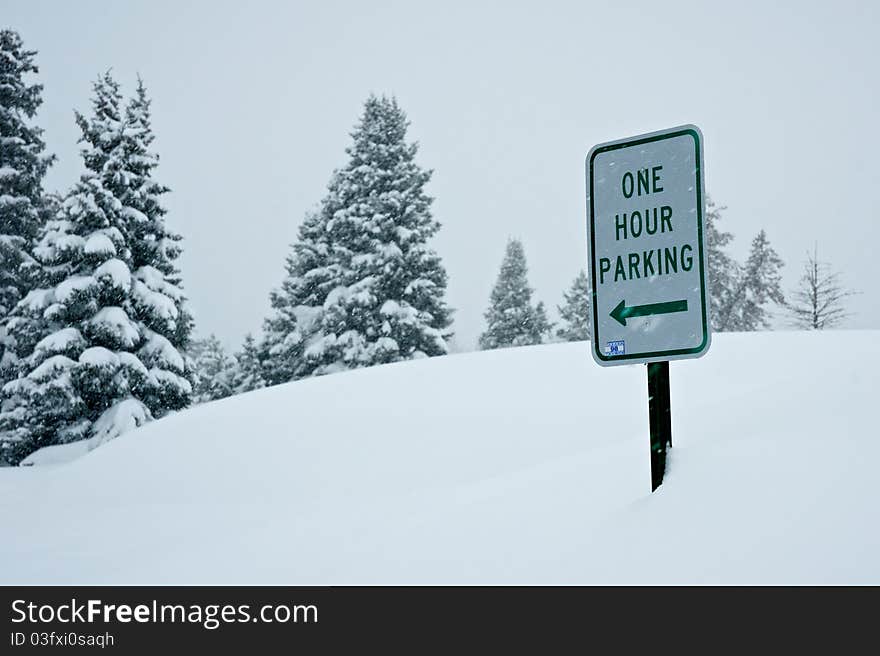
<point>58,454</point>
<point>525,465</point>
<point>120,418</point>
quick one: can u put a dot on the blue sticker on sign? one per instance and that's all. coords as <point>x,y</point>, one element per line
<point>617,347</point>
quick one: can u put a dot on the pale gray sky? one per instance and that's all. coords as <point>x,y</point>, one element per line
<point>254,101</point>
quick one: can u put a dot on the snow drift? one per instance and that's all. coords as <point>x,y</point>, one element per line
<point>525,465</point>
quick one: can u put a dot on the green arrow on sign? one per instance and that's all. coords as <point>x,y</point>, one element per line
<point>621,313</point>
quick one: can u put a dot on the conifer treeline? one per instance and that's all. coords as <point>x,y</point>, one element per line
<point>94,327</point>
<point>741,295</point>
<point>95,335</point>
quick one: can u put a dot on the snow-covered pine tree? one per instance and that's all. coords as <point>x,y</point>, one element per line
<point>213,369</point>
<point>758,283</point>
<point>763,280</point>
<point>575,313</point>
<point>298,304</point>
<point>723,270</point>
<point>247,371</point>
<point>22,167</point>
<point>157,294</point>
<point>362,285</point>
<point>99,360</point>
<point>48,402</point>
<point>512,319</point>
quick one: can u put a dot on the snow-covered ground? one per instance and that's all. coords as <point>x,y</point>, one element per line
<point>524,465</point>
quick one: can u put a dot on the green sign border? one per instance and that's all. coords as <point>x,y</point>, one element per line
<point>698,159</point>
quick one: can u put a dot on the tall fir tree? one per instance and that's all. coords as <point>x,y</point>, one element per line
<point>723,270</point>
<point>100,329</point>
<point>758,284</point>
<point>363,287</point>
<point>157,293</point>
<point>23,207</point>
<point>575,312</point>
<point>512,319</point>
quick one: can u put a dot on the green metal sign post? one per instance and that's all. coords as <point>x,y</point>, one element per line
<point>659,419</point>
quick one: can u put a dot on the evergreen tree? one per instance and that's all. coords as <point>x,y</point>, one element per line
<point>100,359</point>
<point>298,304</point>
<point>213,370</point>
<point>758,283</point>
<point>362,285</point>
<point>512,319</point>
<point>575,313</point>
<point>157,294</point>
<point>723,270</point>
<point>247,371</point>
<point>818,300</point>
<point>22,167</point>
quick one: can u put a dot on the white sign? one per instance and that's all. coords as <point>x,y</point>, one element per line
<point>645,198</point>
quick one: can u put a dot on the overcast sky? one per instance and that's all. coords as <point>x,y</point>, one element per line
<point>253,104</point>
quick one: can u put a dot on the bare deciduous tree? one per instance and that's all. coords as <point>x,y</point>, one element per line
<point>817,302</point>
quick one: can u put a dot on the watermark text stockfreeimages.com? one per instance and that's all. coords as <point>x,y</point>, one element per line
<point>209,616</point>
